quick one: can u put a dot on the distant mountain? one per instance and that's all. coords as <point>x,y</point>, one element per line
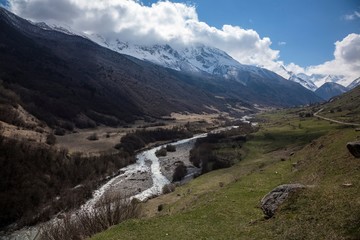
<point>314,81</point>
<point>354,83</point>
<point>330,89</point>
<point>62,76</point>
<point>302,79</point>
<point>320,79</point>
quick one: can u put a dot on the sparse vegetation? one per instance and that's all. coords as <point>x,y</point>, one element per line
<point>206,154</point>
<point>134,141</point>
<point>108,212</point>
<point>34,176</point>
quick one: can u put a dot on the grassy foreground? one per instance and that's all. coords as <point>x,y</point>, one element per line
<point>224,204</point>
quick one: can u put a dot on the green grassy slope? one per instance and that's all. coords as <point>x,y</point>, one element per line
<point>203,209</point>
<point>345,108</point>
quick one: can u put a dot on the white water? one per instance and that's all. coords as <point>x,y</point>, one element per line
<point>159,180</point>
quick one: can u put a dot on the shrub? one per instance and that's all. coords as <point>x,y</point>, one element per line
<point>60,131</point>
<point>51,139</point>
<point>160,207</point>
<point>179,172</point>
<point>136,140</point>
<point>93,137</point>
<point>161,152</point>
<point>110,211</point>
<point>68,126</point>
<point>205,155</point>
<point>170,148</point>
<point>168,188</point>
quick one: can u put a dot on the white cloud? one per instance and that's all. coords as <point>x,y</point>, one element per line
<point>162,22</point>
<point>178,24</point>
<point>346,59</point>
<point>352,16</point>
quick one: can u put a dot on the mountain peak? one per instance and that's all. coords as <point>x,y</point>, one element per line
<point>301,78</point>
<point>330,89</point>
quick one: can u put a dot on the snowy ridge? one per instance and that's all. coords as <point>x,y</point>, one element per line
<point>354,84</point>
<point>194,59</point>
<point>320,79</point>
<point>314,81</point>
<point>59,27</point>
<point>302,79</point>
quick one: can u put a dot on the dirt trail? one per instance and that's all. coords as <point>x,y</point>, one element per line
<point>333,120</point>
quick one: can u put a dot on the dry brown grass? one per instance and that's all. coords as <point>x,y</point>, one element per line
<point>109,211</point>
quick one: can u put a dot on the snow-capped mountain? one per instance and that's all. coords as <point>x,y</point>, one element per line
<point>320,79</point>
<point>354,84</point>
<point>314,81</point>
<point>54,25</point>
<point>301,79</point>
<point>194,59</point>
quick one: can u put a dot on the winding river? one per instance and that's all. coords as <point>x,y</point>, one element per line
<point>146,172</point>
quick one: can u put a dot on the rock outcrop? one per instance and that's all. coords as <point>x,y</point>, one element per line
<point>272,200</point>
<point>354,148</point>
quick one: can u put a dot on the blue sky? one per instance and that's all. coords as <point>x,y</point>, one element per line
<point>308,27</point>
<point>305,36</point>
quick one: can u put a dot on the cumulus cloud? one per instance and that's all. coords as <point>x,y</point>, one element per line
<point>346,59</point>
<point>162,22</point>
<point>178,24</point>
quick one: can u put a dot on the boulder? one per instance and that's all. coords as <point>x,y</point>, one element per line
<point>271,201</point>
<point>354,148</point>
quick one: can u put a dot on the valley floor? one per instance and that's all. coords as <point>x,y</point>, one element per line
<point>224,204</point>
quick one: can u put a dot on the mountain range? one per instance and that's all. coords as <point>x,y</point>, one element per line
<point>61,76</point>
<point>204,59</point>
